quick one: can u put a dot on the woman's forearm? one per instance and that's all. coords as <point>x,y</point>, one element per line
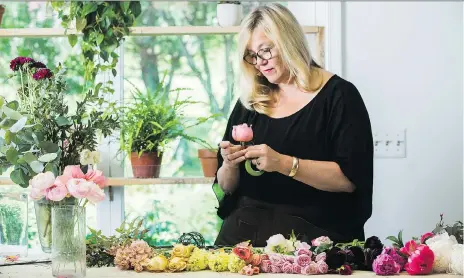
<point>228,177</point>
<point>322,175</point>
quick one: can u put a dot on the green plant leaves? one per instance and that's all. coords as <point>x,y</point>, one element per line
<point>12,155</point>
<point>19,177</point>
<point>48,157</point>
<point>19,125</point>
<point>89,7</point>
<point>29,157</point>
<point>72,39</point>
<point>12,114</point>
<point>37,167</point>
<point>81,22</point>
<point>48,147</point>
<point>63,121</point>
<point>99,39</point>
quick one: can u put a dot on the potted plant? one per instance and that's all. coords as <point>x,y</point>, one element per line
<point>208,160</point>
<point>2,11</point>
<point>229,13</point>
<point>149,123</point>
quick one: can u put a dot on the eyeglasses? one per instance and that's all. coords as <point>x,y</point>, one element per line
<point>264,54</point>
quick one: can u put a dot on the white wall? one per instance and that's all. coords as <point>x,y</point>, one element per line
<point>406,58</point>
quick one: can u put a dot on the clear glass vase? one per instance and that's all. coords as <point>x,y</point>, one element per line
<point>68,241</point>
<point>43,216</point>
<point>13,224</point>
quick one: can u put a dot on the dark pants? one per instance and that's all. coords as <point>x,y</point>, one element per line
<point>257,221</point>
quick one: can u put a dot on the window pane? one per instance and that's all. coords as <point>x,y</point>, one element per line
<point>24,14</point>
<point>169,210</point>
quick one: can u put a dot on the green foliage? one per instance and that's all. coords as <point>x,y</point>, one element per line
<point>152,120</point>
<point>11,225</point>
<point>42,134</point>
<point>101,249</point>
<point>456,230</point>
<point>397,241</point>
<point>104,24</point>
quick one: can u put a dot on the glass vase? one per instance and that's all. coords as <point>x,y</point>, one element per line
<point>43,215</point>
<point>68,241</point>
<point>13,224</point>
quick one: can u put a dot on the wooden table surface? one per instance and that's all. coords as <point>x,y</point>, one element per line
<point>44,270</point>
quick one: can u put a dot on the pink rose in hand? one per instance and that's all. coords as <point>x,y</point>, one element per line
<point>242,133</point>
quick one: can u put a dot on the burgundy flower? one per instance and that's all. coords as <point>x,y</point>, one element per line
<point>39,65</point>
<point>355,257</point>
<point>373,242</point>
<point>400,260</point>
<point>345,270</point>
<point>42,73</point>
<point>19,62</point>
<point>335,258</point>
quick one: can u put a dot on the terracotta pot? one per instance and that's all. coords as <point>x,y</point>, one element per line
<point>209,163</point>
<point>2,11</point>
<point>148,165</point>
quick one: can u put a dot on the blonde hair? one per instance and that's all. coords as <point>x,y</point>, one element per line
<point>283,29</point>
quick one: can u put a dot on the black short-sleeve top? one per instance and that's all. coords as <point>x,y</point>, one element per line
<point>333,126</point>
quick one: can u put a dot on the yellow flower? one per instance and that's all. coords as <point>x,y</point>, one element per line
<point>158,263</point>
<point>182,251</point>
<point>176,264</point>
<point>235,263</point>
<point>198,260</point>
<point>218,261</point>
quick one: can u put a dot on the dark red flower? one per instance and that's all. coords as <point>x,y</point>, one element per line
<point>345,270</point>
<point>19,62</point>
<point>42,73</point>
<point>39,65</point>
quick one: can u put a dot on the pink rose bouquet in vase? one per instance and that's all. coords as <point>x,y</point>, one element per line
<point>244,134</point>
<point>68,196</point>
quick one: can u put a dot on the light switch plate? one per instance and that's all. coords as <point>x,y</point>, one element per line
<point>390,144</point>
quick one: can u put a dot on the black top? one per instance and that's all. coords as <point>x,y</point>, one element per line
<point>333,126</point>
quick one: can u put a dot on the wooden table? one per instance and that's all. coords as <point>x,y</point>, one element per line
<point>44,270</point>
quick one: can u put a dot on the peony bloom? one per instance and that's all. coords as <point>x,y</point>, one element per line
<point>39,183</point>
<point>457,260</point>
<point>421,261</point>
<point>385,265</point>
<point>97,177</point>
<point>442,247</point>
<point>401,261</point>
<point>56,193</point>
<point>242,133</point>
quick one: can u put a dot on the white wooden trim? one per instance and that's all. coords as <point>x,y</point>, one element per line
<point>121,181</point>
<point>333,37</point>
<point>135,31</point>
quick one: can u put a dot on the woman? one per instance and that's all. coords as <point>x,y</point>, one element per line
<point>312,138</point>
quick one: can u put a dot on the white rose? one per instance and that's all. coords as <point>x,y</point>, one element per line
<point>302,245</point>
<point>95,157</point>
<point>85,157</point>
<point>275,241</point>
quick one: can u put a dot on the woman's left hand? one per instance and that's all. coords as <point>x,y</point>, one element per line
<point>264,157</point>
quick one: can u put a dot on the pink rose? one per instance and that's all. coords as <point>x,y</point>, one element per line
<point>255,259</point>
<point>277,259</point>
<point>302,245</point>
<point>96,194</point>
<point>303,252</point>
<point>384,264</point>
<point>265,266</point>
<point>73,171</point>
<point>303,260</point>
<point>56,193</point>
<point>287,267</point>
<point>243,252</point>
<point>321,240</point>
<point>79,188</point>
<point>290,258</point>
<point>264,257</point>
<point>275,269</point>
<point>321,257</point>
<point>97,177</point>
<point>242,133</point>
<point>310,269</point>
<point>296,269</point>
<point>322,267</point>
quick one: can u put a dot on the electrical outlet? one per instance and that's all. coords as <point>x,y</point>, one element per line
<point>390,144</point>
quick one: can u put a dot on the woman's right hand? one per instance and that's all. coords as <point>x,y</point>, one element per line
<point>232,154</point>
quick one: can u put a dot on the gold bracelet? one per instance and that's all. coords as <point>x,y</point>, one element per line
<point>295,166</point>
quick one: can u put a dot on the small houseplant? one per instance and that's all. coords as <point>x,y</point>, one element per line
<point>151,121</point>
<point>229,13</point>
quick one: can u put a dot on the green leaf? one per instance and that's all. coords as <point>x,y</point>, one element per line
<point>29,157</point>
<point>80,24</point>
<point>37,166</point>
<point>12,155</point>
<point>89,7</point>
<point>48,157</point>
<point>8,137</point>
<point>135,8</point>
<point>100,38</point>
<point>2,101</point>
<point>48,147</point>
<point>12,114</point>
<point>97,88</point>
<point>13,105</point>
<point>18,125</point>
<point>51,167</point>
<point>72,39</point>
<point>125,5</point>
<point>19,177</point>
<point>63,121</point>
<point>114,72</point>
<point>392,238</point>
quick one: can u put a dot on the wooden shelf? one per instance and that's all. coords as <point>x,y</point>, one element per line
<point>136,181</point>
<point>136,31</point>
